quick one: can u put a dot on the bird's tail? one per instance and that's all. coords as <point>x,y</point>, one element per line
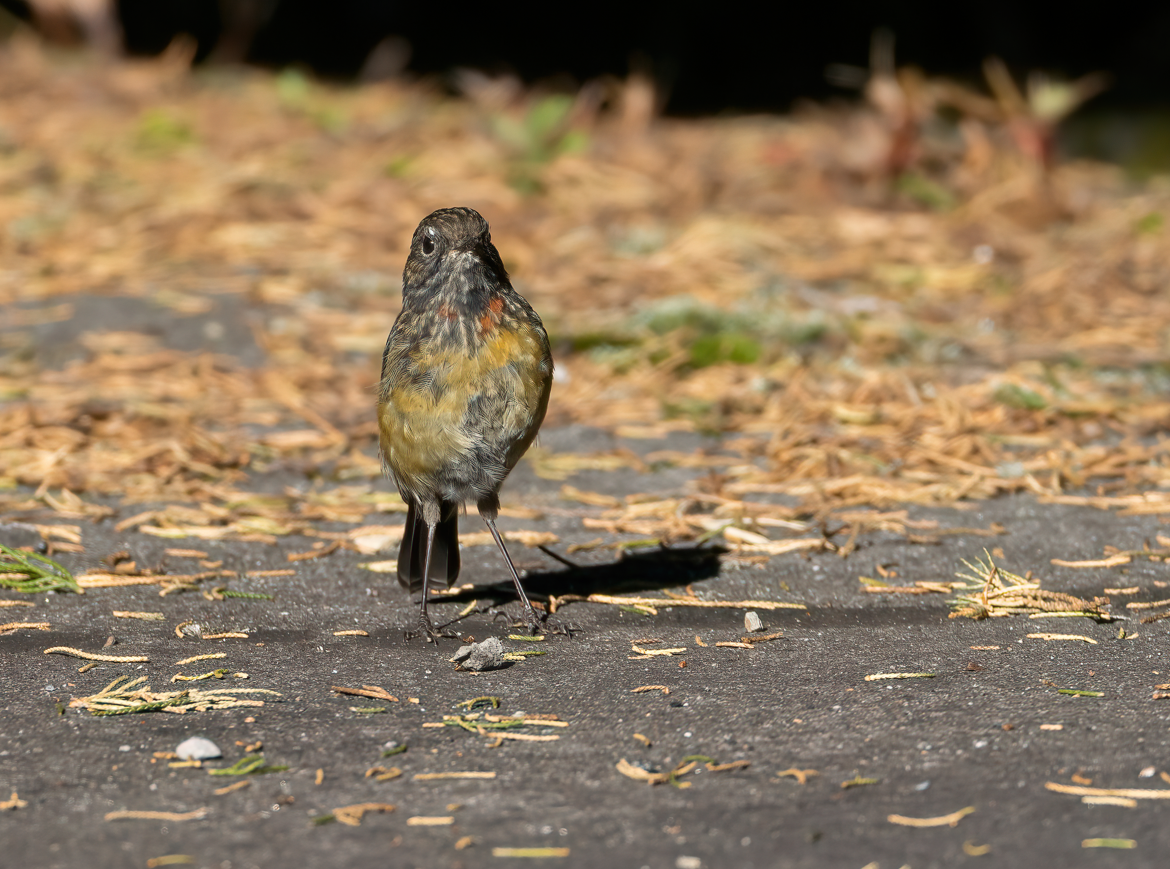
<point>444,552</point>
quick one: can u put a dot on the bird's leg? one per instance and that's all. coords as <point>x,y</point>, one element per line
<point>424,620</point>
<point>529,612</point>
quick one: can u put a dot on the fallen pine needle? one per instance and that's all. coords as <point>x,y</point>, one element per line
<point>4,603</point>
<point>616,600</point>
<point>724,767</point>
<point>352,815</point>
<point>13,803</point>
<point>210,656</point>
<point>644,688</point>
<point>227,635</point>
<point>973,850</point>
<point>1146,605</point>
<point>1109,843</point>
<point>951,820</point>
<point>380,773</point>
<point>523,737</point>
<point>858,781</point>
<point>1062,637</point>
<point>314,553</point>
<point>435,776</point>
<point>874,677</point>
<point>90,656</point>
<point>169,860</point>
<point>352,633</point>
<point>699,641</point>
<point>157,816</point>
<point>1126,802</point>
<point>638,774</point>
<point>146,617</point>
<point>1112,561</point>
<point>762,638</point>
<point>801,775</point>
<point>431,821</point>
<point>1131,793</point>
<point>371,691</point>
<point>656,652</point>
<point>227,789</point>
<point>19,626</point>
<point>530,852</point>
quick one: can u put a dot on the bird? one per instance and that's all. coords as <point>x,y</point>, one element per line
<point>466,376</point>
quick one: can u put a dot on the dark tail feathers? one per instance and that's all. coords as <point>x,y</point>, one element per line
<point>444,552</point>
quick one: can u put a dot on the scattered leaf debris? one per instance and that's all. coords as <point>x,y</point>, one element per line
<point>683,767</point>
<point>992,591</point>
<point>123,696</point>
<point>33,573</point>
<point>352,816</point>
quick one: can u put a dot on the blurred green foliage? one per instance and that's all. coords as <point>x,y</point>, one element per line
<point>543,133</point>
<point>161,134</point>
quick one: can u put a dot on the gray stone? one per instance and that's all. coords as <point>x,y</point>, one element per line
<point>487,655</point>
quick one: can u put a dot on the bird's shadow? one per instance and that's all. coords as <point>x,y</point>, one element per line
<point>647,570</point>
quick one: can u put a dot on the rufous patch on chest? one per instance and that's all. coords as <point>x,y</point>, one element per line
<point>447,311</point>
<point>491,315</point>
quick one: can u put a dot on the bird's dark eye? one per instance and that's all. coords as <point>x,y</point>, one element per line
<point>428,246</point>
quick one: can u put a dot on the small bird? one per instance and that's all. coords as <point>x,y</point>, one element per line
<point>466,376</point>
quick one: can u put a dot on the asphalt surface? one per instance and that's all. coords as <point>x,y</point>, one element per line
<point>970,736</point>
<point>981,733</point>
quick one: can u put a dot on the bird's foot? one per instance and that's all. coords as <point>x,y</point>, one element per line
<point>428,631</point>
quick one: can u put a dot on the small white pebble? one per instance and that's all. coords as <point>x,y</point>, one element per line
<point>1148,772</point>
<point>198,748</point>
<point>752,622</point>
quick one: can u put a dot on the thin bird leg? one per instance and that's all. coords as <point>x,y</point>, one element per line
<point>529,612</point>
<point>424,620</point>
